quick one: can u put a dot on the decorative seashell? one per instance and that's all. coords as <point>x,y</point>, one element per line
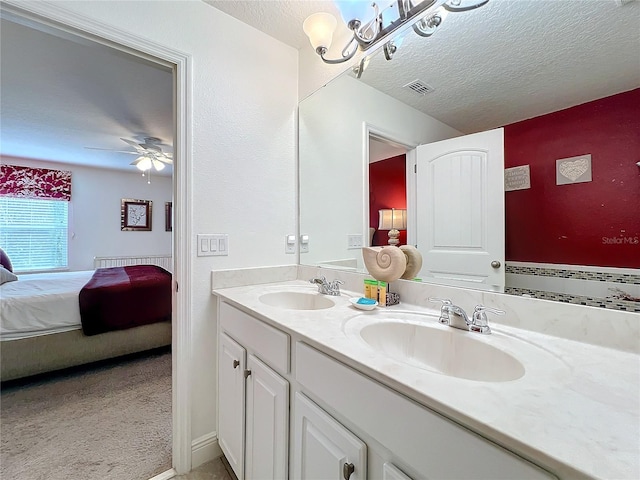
<point>384,263</point>
<point>414,261</point>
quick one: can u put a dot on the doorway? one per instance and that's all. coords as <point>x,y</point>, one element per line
<point>52,20</point>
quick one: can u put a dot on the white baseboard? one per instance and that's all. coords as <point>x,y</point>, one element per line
<point>204,449</point>
<point>165,475</point>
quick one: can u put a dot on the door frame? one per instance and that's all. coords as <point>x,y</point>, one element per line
<point>394,138</point>
<point>54,17</point>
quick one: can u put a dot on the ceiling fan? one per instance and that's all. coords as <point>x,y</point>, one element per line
<point>150,153</point>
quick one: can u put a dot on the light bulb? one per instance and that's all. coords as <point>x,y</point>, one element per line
<point>158,165</point>
<point>144,163</point>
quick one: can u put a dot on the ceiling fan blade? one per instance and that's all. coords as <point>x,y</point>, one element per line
<point>110,150</point>
<point>139,148</point>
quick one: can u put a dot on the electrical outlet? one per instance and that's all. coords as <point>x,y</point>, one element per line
<point>304,243</point>
<point>290,244</point>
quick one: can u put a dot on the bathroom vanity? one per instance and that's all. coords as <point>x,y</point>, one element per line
<point>310,387</point>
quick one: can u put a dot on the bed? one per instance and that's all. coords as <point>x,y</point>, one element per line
<point>44,328</point>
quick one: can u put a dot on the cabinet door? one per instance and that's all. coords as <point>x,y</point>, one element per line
<point>391,472</point>
<point>267,423</point>
<point>231,366</point>
<point>324,449</point>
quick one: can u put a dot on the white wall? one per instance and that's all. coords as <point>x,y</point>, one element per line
<point>94,212</point>
<point>333,163</point>
<point>243,179</point>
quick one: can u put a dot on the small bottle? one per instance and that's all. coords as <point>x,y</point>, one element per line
<point>382,293</point>
<point>367,288</point>
<point>373,289</point>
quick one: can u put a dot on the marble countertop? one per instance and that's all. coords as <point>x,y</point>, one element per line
<point>576,410</point>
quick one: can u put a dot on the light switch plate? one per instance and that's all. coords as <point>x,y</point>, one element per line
<point>354,241</point>
<point>212,245</point>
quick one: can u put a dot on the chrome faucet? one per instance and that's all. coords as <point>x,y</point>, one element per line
<point>327,288</point>
<point>456,317</point>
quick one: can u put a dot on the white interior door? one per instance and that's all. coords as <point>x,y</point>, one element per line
<point>460,210</point>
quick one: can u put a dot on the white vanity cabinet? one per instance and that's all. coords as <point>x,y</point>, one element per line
<point>253,412</point>
<point>342,425</point>
<point>426,443</point>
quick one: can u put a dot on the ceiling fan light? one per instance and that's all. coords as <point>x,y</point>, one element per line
<point>158,165</point>
<point>143,163</point>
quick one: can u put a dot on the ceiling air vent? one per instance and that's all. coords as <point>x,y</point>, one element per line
<point>418,87</point>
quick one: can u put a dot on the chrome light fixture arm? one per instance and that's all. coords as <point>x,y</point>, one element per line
<point>423,16</point>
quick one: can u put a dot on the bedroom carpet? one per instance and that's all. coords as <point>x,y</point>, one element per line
<point>112,422</point>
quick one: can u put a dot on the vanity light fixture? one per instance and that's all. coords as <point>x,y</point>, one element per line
<point>394,220</point>
<point>372,22</point>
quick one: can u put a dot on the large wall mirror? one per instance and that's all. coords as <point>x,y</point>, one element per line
<point>558,79</point>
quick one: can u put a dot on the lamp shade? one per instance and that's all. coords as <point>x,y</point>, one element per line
<point>143,163</point>
<point>392,219</point>
<point>319,27</point>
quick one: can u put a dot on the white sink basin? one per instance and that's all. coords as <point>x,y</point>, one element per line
<point>443,350</point>
<point>419,341</point>
<point>297,300</point>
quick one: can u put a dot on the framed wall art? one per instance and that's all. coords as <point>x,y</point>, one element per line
<point>135,215</point>
<point>168,216</point>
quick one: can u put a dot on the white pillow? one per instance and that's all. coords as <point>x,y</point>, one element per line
<point>6,276</point>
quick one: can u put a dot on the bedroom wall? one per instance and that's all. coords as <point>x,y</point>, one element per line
<point>94,212</point>
<point>387,189</point>
<point>243,136</point>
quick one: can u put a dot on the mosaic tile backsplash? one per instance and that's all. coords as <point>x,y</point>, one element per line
<point>616,300</point>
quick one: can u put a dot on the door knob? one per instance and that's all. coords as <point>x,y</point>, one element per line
<point>247,373</point>
<point>495,264</point>
<point>236,363</point>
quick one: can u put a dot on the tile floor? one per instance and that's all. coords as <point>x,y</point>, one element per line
<point>213,470</point>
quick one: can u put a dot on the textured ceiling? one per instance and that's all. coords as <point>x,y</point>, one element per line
<point>59,96</point>
<point>507,61</point>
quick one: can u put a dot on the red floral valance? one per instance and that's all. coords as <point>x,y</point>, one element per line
<point>27,182</point>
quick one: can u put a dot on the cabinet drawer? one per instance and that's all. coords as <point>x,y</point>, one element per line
<point>267,343</point>
<point>429,443</point>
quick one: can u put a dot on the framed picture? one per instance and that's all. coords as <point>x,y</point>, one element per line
<point>168,216</point>
<point>135,215</point>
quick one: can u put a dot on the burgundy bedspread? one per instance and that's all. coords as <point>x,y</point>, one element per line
<point>124,297</point>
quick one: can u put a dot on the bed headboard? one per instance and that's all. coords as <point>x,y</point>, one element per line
<point>164,261</point>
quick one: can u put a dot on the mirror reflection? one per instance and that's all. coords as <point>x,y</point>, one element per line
<point>567,98</point>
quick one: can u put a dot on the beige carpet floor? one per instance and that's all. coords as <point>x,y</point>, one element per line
<point>108,423</point>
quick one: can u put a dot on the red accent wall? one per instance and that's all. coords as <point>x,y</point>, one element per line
<point>594,223</point>
<point>387,189</point>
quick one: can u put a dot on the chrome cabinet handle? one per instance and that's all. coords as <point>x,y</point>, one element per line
<point>236,363</point>
<point>247,373</point>
<point>347,470</point>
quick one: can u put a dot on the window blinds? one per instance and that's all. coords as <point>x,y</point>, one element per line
<point>33,233</point>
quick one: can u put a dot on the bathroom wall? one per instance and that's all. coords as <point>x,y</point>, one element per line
<point>242,120</point>
<point>551,223</point>
<point>387,189</point>
<point>94,212</point>
<point>339,208</point>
